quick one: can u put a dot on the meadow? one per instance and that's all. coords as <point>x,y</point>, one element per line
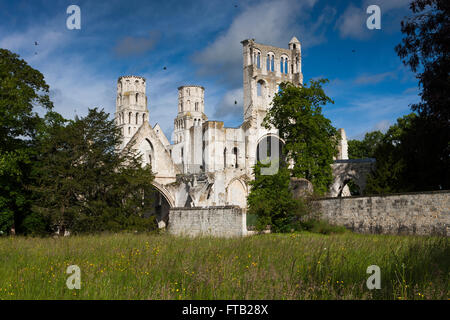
<point>269,266</point>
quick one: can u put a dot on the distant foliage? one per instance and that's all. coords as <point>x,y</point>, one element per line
<point>366,148</point>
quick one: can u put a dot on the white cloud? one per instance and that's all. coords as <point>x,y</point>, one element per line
<point>352,23</point>
<point>231,105</point>
<point>267,22</point>
<point>375,78</point>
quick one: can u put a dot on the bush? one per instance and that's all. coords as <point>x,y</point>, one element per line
<point>35,224</point>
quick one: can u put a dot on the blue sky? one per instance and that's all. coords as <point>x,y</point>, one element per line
<point>199,43</point>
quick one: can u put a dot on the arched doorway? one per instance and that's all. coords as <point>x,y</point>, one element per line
<point>161,203</point>
<point>270,147</point>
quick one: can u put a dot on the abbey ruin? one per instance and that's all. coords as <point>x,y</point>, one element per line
<point>207,165</point>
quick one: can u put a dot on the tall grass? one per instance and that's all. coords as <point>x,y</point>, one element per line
<point>271,266</point>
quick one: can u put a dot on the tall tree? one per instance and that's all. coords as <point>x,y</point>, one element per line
<point>310,139</point>
<point>22,91</point>
<point>425,49</point>
<point>83,183</point>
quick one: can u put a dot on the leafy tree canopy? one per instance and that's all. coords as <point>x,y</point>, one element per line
<point>310,139</point>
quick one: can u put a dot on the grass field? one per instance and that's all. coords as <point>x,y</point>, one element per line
<point>271,266</point>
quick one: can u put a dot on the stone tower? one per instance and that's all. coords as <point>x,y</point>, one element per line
<point>191,111</point>
<point>265,67</point>
<point>131,106</point>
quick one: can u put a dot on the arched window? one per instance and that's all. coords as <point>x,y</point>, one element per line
<point>224,158</point>
<point>235,153</point>
<point>137,95</point>
<point>129,117</point>
<point>196,106</point>
<point>143,117</point>
<point>286,70</point>
<point>181,107</point>
<point>260,88</point>
<point>258,60</point>
<point>272,63</point>
<point>268,62</point>
<point>137,115</point>
<point>129,130</point>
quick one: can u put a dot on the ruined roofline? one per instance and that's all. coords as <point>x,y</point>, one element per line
<point>266,46</point>
<point>191,86</point>
<point>130,76</point>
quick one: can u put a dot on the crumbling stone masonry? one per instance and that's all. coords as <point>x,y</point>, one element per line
<point>421,213</point>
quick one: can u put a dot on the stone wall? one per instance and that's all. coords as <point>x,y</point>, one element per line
<point>423,213</point>
<point>223,221</point>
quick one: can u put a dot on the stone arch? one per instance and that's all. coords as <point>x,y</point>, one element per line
<point>268,140</point>
<point>162,201</point>
<point>236,193</point>
<point>350,171</point>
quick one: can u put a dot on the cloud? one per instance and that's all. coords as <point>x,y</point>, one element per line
<point>231,105</point>
<point>134,46</point>
<point>267,22</point>
<point>352,23</point>
<point>365,113</point>
<point>375,78</point>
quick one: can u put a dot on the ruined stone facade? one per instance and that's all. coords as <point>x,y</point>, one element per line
<point>208,164</point>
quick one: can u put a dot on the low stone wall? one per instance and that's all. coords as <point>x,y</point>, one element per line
<point>223,221</point>
<point>422,213</point>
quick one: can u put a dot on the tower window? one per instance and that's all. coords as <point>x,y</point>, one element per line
<point>224,158</point>
<point>268,62</point>
<point>235,153</point>
<point>281,64</point>
<point>129,117</point>
<point>258,61</point>
<point>143,117</point>
<point>181,107</point>
<point>272,63</point>
<point>196,106</point>
<point>137,95</point>
<point>260,88</point>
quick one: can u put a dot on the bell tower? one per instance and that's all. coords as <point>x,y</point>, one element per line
<point>131,106</point>
<point>265,67</point>
<point>191,111</point>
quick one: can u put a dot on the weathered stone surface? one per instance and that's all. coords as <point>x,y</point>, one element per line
<point>423,213</point>
<point>300,187</point>
<point>221,221</point>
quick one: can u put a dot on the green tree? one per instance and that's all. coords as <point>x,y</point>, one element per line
<point>22,91</point>
<point>278,209</point>
<point>425,49</point>
<point>394,170</point>
<point>359,149</point>
<point>310,139</point>
<point>84,184</point>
